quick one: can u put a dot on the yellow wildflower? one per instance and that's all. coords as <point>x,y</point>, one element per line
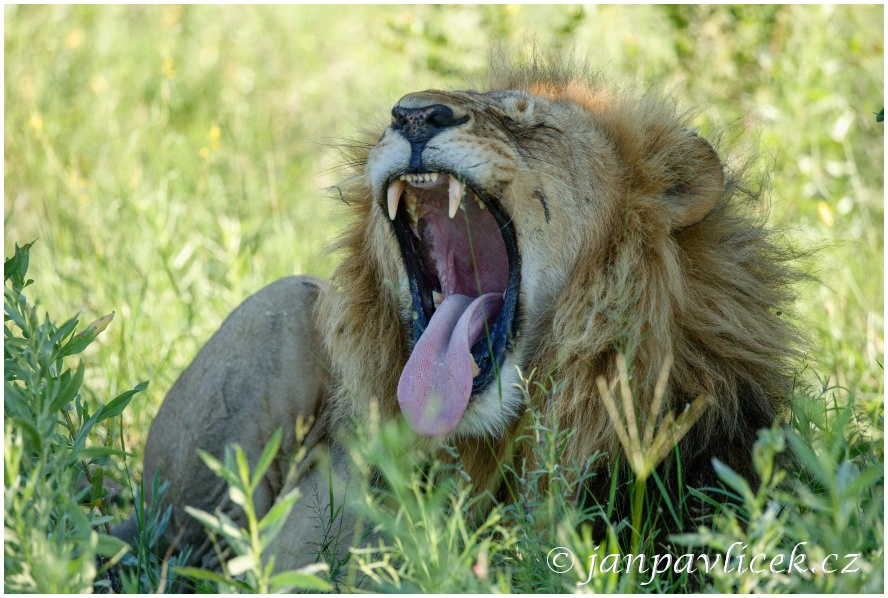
<point>826,213</point>
<point>36,122</point>
<point>74,39</point>
<point>169,70</point>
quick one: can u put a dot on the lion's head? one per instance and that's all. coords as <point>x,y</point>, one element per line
<point>550,224</point>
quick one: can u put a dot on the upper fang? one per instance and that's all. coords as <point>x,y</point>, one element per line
<point>456,190</point>
<point>394,196</point>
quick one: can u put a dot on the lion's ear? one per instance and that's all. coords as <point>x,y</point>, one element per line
<point>699,182</point>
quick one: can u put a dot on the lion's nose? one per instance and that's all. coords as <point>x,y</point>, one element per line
<point>419,125</point>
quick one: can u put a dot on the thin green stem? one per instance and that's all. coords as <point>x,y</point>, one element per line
<point>638,492</point>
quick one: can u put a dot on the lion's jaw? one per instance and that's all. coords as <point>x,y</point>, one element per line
<point>449,178</point>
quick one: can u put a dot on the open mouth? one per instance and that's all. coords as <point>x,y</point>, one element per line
<point>461,256</point>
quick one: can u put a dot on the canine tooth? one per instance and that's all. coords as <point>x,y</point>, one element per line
<point>480,203</point>
<point>457,188</point>
<point>434,176</point>
<point>437,298</point>
<point>475,369</point>
<point>394,196</point>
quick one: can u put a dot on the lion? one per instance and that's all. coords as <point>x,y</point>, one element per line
<point>551,224</point>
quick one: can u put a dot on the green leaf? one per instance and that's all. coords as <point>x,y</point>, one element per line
<point>809,459</point>
<point>220,524</point>
<point>63,331</point>
<point>69,386</point>
<point>733,479</point>
<point>85,429</point>
<point>277,516</point>
<point>218,468</point>
<point>265,459</point>
<point>240,564</point>
<point>97,487</point>
<point>16,267</point>
<point>237,496</point>
<point>100,520</point>
<point>282,507</point>
<point>866,479</point>
<point>109,546</point>
<point>205,518</point>
<point>118,404</point>
<point>91,452</point>
<point>32,436</point>
<point>74,346</point>
<point>212,463</point>
<point>243,468</point>
<point>204,575</point>
<point>76,518</point>
<point>295,580</point>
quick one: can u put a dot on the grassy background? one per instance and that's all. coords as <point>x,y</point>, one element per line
<point>173,160</point>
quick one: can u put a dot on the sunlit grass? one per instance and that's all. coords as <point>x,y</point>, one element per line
<point>173,160</point>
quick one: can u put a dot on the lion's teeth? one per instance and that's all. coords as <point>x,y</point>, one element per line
<point>475,369</point>
<point>480,203</point>
<point>410,205</point>
<point>394,196</point>
<point>457,188</point>
<point>427,177</point>
<point>437,298</point>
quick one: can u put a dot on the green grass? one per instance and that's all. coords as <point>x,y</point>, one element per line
<point>171,161</point>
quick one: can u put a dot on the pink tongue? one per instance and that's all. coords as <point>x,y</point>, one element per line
<point>436,384</point>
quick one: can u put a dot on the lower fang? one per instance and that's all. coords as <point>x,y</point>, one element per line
<point>475,369</point>
<point>437,298</point>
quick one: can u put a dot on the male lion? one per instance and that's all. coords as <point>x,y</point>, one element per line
<point>549,224</point>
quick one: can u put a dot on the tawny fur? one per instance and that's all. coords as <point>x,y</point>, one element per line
<point>709,294</point>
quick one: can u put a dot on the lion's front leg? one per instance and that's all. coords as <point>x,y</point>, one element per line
<point>324,523</point>
<point>263,370</point>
